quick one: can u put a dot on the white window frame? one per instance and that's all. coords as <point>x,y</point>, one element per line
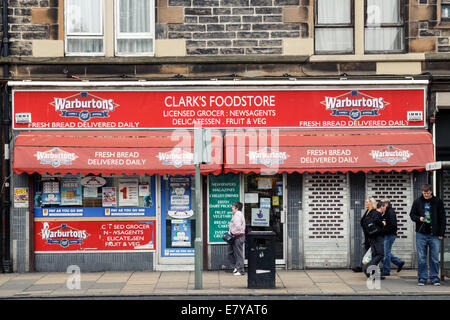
<point>135,35</point>
<point>81,35</point>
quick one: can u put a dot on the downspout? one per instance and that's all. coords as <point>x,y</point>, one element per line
<point>6,123</point>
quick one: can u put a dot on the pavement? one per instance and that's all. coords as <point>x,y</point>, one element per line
<point>290,284</point>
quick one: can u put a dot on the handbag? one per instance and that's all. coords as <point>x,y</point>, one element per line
<point>228,238</point>
<point>373,229</point>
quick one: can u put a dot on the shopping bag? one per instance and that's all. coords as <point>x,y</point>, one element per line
<point>367,257</point>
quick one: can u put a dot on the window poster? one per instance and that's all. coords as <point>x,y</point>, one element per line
<point>50,192</point>
<point>109,198</point>
<point>181,233</point>
<point>71,191</point>
<point>128,192</point>
<point>180,197</point>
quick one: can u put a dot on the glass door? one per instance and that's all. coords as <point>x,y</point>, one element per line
<point>263,208</point>
<point>177,222</point>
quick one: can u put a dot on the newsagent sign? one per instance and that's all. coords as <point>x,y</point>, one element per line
<point>94,236</point>
<point>352,107</point>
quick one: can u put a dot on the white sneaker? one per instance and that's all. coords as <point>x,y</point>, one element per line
<point>437,284</point>
<point>235,270</point>
<point>237,274</point>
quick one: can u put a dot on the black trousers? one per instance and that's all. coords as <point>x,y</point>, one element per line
<point>377,246</point>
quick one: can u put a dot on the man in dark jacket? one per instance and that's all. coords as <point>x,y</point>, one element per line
<point>428,213</point>
<point>390,234</point>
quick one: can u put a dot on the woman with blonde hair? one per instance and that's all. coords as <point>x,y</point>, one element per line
<point>370,204</point>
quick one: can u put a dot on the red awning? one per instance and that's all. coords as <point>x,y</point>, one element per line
<point>274,151</point>
<point>112,152</point>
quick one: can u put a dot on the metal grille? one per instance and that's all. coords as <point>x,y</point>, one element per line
<point>446,200</point>
<point>398,188</point>
<point>326,232</point>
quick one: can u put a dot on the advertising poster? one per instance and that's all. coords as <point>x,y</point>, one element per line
<point>50,192</point>
<point>181,233</point>
<point>21,197</point>
<point>128,192</point>
<point>180,198</point>
<point>109,198</point>
<point>71,191</point>
<point>94,236</point>
<point>223,191</point>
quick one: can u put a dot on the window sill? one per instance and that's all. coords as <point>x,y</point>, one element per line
<point>369,57</point>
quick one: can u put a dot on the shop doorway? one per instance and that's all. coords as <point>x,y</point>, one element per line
<point>264,208</point>
<point>177,223</point>
<point>326,214</point>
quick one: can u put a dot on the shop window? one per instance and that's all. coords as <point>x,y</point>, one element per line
<point>87,27</point>
<point>92,192</point>
<point>334,27</point>
<point>384,27</point>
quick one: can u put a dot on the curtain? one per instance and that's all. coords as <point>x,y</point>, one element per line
<point>377,37</point>
<point>84,26</point>
<point>134,29</point>
<point>333,12</point>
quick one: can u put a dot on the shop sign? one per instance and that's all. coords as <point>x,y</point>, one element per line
<point>224,189</point>
<point>93,212</point>
<point>60,236</point>
<point>353,107</point>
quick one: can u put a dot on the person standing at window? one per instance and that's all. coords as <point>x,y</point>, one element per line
<point>428,213</point>
<point>236,249</point>
<point>390,234</point>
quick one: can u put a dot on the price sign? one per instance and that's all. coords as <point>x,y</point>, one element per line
<point>128,192</point>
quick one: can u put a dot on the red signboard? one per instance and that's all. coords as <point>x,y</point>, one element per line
<point>343,108</point>
<point>94,236</point>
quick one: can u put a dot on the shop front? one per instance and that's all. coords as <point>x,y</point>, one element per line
<point>103,173</point>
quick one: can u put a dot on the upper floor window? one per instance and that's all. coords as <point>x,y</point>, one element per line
<point>384,29</point>
<point>333,28</point>
<point>132,27</point>
<point>84,27</point>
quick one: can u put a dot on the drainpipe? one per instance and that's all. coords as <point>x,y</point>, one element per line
<point>6,123</point>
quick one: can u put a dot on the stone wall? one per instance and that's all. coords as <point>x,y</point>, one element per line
<point>235,27</point>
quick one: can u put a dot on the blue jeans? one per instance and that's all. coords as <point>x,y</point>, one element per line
<point>388,256</point>
<point>423,243</point>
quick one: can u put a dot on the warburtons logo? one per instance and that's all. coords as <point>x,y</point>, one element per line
<point>391,155</point>
<point>267,156</point>
<point>84,106</point>
<point>355,104</point>
<point>177,157</point>
<point>63,235</point>
<point>55,157</point>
